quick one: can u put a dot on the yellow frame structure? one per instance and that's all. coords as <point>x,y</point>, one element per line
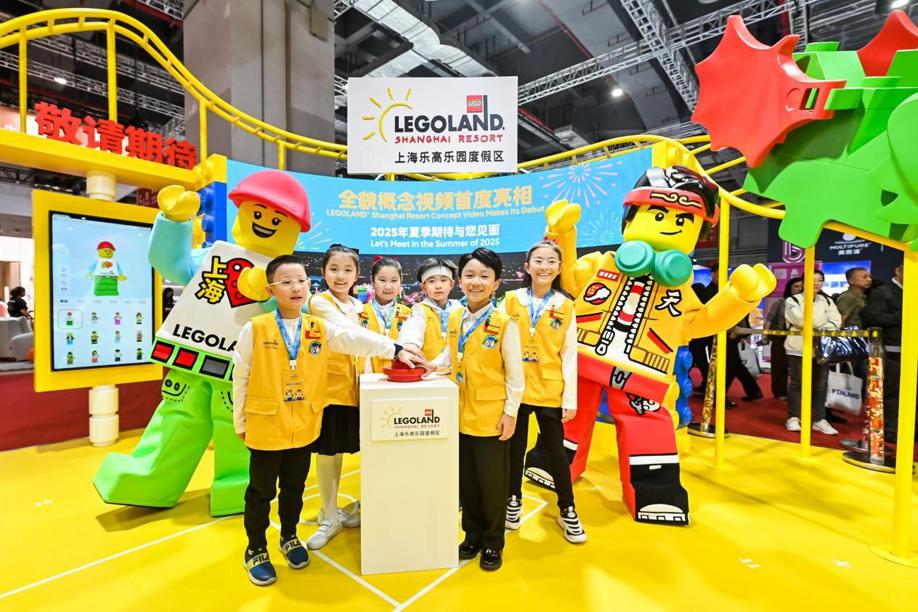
<point>44,203</point>
<point>32,151</point>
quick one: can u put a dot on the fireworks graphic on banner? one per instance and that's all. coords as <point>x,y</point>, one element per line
<point>316,240</point>
<point>585,184</point>
<point>603,227</point>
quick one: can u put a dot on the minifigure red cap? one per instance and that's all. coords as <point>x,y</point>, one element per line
<point>105,244</point>
<point>276,190</point>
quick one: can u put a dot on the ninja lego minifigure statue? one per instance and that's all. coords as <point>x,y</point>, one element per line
<point>634,309</point>
<point>196,343</point>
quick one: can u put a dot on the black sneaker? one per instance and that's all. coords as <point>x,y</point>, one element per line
<point>570,522</point>
<point>490,559</point>
<point>468,550</point>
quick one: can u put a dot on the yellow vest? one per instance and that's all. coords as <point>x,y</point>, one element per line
<point>482,390</point>
<point>544,378</point>
<point>341,387</point>
<point>369,320</point>
<point>270,422</point>
<point>434,342</point>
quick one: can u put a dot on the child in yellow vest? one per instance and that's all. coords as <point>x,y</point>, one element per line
<point>280,363</point>
<point>545,319</point>
<point>426,327</point>
<point>485,360</point>
<point>341,418</point>
<point>383,314</point>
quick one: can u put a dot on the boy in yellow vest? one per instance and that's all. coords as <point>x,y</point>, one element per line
<point>486,361</point>
<point>426,327</point>
<point>279,379</point>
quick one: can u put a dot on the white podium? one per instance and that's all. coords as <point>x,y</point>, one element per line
<point>409,474</point>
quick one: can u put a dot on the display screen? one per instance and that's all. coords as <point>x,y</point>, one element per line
<point>101,292</point>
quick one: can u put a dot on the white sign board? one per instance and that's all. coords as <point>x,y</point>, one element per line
<point>431,125</point>
<point>416,418</point>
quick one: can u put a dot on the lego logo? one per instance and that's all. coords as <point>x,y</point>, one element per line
<point>474,104</point>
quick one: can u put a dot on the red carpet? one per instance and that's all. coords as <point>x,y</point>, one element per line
<point>28,418</point>
<point>765,417</point>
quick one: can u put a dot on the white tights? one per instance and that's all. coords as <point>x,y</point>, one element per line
<point>328,471</point>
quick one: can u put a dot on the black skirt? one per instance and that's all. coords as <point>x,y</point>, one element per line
<point>340,431</point>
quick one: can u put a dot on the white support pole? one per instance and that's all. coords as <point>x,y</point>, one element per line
<point>103,400</point>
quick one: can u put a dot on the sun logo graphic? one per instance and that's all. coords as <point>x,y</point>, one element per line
<point>389,415</point>
<point>392,105</point>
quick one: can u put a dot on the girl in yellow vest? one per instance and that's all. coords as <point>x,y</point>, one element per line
<point>341,419</point>
<point>485,360</point>
<point>383,314</point>
<point>544,314</point>
<point>279,373</point>
<point>426,327</point>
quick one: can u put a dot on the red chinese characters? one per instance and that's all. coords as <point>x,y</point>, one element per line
<point>60,124</point>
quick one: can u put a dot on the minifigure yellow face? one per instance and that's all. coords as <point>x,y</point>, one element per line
<point>664,228</point>
<point>265,230</point>
<point>106,253</point>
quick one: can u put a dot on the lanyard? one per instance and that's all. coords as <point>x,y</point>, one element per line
<point>464,337</point>
<point>387,323</point>
<point>535,315</point>
<point>293,348</point>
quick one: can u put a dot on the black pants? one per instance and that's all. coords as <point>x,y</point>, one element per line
<point>551,434</point>
<point>266,468</point>
<point>820,382</point>
<point>701,355</point>
<point>736,369</point>
<point>778,367</point>
<point>484,464</point>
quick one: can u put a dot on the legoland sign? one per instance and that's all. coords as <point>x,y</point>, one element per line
<point>431,125</point>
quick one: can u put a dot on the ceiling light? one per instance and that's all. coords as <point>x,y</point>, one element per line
<point>617,92</point>
<point>898,4</point>
<point>60,80</point>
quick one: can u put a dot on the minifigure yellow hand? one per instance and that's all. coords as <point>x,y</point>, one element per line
<point>253,284</point>
<point>561,217</point>
<point>178,204</point>
<point>752,283</point>
<point>122,277</point>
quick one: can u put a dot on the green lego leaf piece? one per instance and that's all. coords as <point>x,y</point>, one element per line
<point>905,66</point>
<point>814,47</point>
<point>844,99</point>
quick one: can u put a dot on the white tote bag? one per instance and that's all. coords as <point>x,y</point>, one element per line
<point>844,391</point>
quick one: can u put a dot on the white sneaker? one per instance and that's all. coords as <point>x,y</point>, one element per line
<point>350,518</point>
<point>514,509</point>
<point>323,535</point>
<point>823,426</point>
<point>570,522</point>
<point>792,424</point>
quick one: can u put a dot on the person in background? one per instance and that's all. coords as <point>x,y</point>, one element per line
<point>852,300</point>
<point>775,320</point>
<point>883,309</point>
<point>168,301</point>
<point>825,316</point>
<point>17,304</point>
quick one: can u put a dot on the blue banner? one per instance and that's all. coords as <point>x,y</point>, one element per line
<point>506,213</point>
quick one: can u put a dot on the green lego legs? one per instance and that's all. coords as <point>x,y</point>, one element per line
<point>231,457</point>
<point>157,472</point>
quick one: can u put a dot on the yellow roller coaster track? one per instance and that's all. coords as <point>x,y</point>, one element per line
<point>21,30</point>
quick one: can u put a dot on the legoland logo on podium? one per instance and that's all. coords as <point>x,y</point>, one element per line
<point>431,125</point>
<point>405,419</point>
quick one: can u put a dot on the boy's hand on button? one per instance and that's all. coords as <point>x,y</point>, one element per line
<point>412,356</point>
<point>505,427</point>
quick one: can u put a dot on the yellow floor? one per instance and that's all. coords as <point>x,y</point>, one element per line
<point>769,531</point>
